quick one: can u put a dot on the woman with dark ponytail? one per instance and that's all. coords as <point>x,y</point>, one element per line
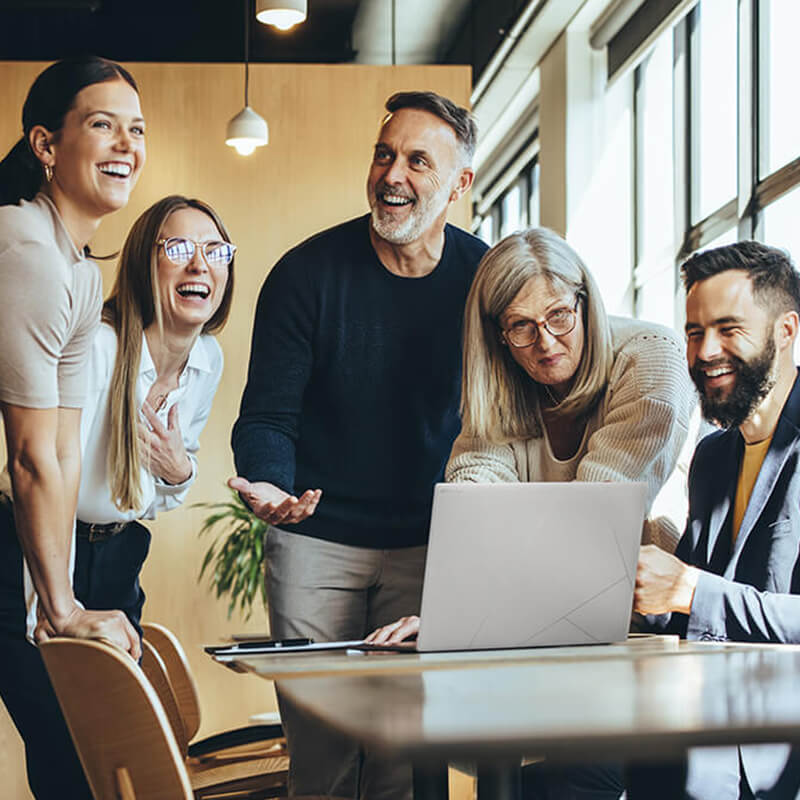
<point>80,154</point>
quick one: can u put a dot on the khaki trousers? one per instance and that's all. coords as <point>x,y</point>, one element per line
<point>331,592</point>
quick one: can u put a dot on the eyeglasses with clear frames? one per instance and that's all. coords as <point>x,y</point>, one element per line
<point>180,251</point>
<point>558,322</point>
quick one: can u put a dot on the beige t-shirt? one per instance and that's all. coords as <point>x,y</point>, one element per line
<point>51,299</point>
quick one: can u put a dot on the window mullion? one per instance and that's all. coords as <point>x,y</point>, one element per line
<point>710,228</point>
<point>681,160</point>
<point>638,170</point>
<point>693,165</point>
<point>747,119</point>
<point>776,185</point>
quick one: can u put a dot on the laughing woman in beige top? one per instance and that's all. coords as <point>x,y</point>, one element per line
<point>80,154</point>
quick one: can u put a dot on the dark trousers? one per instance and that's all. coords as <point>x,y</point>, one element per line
<point>106,577</point>
<point>604,782</point>
<point>545,781</point>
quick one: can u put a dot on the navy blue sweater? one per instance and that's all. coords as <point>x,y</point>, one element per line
<point>354,384</point>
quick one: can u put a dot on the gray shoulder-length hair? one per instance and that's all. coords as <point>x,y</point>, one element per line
<point>499,399</point>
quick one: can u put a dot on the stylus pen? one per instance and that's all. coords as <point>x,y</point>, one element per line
<point>272,643</point>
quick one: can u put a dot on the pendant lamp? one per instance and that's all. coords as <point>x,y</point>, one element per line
<point>283,14</point>
<point>247,130</point>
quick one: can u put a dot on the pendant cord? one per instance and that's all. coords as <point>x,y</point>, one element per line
<point>394,33</point>
<point>246,49</point>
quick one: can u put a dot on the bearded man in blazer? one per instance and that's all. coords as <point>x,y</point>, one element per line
<point>735,575</point>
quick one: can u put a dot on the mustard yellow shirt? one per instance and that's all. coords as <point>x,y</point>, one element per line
<point>752,460</point>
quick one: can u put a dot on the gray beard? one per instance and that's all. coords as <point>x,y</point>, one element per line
<point>419,220</point>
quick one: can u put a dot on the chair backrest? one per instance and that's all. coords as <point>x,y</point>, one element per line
<point>120,730</point>
<point>180,675</point>
<point>156,672</point>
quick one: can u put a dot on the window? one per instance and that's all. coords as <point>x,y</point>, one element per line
<point>512,210</point>
<point>705,176</point>
<point>516,207</point>
<point>782,223</point>
<point>779,22</point>
<point>533,194</point>
<point>728,237</point>
<point>655,200</point>
<point>486,229</point>
<point>713,115</point>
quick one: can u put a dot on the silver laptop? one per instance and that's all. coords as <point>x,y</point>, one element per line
<point>530,564</point>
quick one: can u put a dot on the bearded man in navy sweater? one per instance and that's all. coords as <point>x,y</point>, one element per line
<point>350,410</point>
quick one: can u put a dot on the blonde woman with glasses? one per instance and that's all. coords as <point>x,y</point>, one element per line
<point>153,372</point>
<point>555,390</point>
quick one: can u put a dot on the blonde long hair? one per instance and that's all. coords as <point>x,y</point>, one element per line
<point>133,305</point>
<point>499,400</point>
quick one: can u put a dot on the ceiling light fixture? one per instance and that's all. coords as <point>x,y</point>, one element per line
<point>247,130</point>
<point>283,14</point>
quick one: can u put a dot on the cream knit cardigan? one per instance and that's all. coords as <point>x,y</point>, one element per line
<point>635,432</point>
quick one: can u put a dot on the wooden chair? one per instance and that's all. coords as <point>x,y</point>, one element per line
<point>123,736</point>
<point>120,731</point>
<point>156,672</point>
<point>247,741</point>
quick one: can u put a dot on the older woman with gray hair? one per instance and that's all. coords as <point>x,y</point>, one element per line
<point>555,390</point>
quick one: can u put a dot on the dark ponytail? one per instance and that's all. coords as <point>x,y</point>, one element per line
<point>20,174</point>
<point>50,97</point>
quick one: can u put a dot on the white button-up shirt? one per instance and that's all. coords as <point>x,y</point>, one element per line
<point>196,388</point>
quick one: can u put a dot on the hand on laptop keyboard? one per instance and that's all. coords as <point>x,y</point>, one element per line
<point>398,631</point>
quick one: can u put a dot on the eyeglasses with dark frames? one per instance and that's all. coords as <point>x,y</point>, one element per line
<point>180,251</point>
<point>558,322</point>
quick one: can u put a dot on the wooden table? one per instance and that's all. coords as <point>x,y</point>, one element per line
<point>327,663</point>
<point>644,701</point>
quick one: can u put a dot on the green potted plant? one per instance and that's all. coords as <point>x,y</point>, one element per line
<point>235,559</point>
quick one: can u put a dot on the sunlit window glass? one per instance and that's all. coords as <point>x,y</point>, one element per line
<point>655,298</point>
<point>781,228</point>
<point>779,21</point>
<point>729,237</point>
<point>486,229</point>
<point>654,108</point>
<point>512,211</point>
<point>714,158</point>
<point>533,196</point>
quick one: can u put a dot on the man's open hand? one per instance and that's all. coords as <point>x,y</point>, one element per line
<point>272,504</point>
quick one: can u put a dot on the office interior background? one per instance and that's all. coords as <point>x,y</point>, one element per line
<point>640,130</point>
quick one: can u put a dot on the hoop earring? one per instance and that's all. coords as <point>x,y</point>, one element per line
<point>48,173</point>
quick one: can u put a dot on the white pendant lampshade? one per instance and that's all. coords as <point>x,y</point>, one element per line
<point>246,131</point>
<point>282,14</point>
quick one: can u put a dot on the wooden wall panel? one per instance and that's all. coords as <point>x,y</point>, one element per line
<point>323,121</point>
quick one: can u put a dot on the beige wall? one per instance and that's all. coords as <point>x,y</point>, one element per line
<point>323,121</point>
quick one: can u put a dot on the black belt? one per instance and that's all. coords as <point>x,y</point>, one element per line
<point>99,532</point>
